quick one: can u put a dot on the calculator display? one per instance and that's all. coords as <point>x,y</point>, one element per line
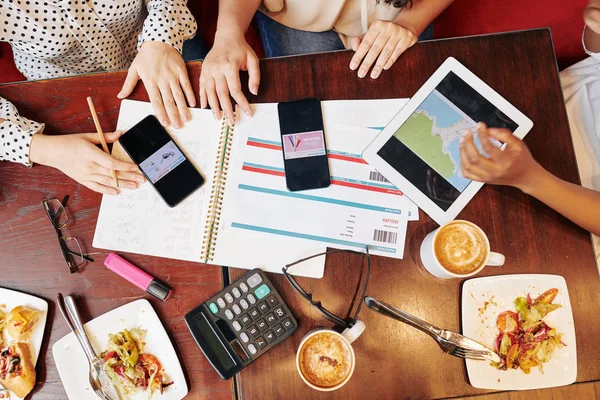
<point>213,341</point>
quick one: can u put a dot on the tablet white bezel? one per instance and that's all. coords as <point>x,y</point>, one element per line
<point>412,192</point>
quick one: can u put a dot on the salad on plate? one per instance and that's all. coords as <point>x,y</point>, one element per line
<point>129,368</point>
<point>524,340</point>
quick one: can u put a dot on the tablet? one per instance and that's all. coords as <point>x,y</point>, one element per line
<point>418,151</point>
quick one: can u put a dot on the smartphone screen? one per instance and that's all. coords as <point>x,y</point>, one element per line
<point>303,144</point>
<point>160,159</point>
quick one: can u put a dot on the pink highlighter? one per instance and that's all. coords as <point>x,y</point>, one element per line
<point>139,278</point>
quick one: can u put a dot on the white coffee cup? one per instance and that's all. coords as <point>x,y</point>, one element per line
<point>435,268</point>
<point>348,336</point>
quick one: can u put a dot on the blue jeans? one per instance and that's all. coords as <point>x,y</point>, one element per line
<point>279,40</point>
<point>194,49</point>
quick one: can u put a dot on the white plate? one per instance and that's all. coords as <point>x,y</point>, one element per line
<point>479,323</point>
<point>73,366</point>
<point>12,298</point>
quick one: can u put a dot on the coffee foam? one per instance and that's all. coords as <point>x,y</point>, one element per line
<point>460,248</point>
<point>325,360</point>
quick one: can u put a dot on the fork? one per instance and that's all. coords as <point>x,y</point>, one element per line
<point>99,380</point>
<point>450,342</point>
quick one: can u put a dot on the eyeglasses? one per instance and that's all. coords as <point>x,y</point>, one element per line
<point>328,314</point>
<point>69,245</point>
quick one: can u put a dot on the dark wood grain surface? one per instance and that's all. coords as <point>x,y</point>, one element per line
<point>393,360</point>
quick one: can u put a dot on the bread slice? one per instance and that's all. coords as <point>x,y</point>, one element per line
<point>23,381</point>
<point>20,322</point>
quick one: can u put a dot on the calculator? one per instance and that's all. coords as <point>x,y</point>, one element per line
<point>241,323</point>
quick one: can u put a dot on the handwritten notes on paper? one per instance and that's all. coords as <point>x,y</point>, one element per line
<point>139,221</point>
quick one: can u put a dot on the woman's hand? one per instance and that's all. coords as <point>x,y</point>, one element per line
<point>165,76</point>
<point>78,157</point>
<point>220,75</point>
<point>383,43</point>
<point>512,166</point>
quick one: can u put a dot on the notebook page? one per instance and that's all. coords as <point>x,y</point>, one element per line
<point>139,221</point>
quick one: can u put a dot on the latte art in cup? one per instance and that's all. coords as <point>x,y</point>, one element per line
<point>325,360</point>
<point>460,248</point>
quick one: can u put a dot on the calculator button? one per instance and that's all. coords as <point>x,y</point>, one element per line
<point>262,324</point>
<point>254,313</point>
<point>261,343</point>
<point>236,309</point>
<point>213,307</point>
<point>287,323</point>
<point>244,287</point>
<point>253,331</point>
<point>263,307</point>
<point>236,292</point>
<point>244,337</point>
<point>270,318</point>
<point>254,280</point>
<point>245,320</point>
<point>229,298</point>
<point>279,312</point>
<point>262,291</point>
<point>229,314</point>
<point>236,326</point>
<point>244,304</point>
<point>272,301</point>
<point>251,299</point>
<point>221,302</point>
<point>252,349</point>
<point>269,336</point>
<point>278,329</point>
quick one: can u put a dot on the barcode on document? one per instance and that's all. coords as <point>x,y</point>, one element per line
<point>377,177</point>
<point>385,236</point>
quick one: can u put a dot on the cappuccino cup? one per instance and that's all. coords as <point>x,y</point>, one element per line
<point>325,359</point>
<point>458,249</point>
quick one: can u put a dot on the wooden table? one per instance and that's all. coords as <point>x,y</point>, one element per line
<point>394,361</point>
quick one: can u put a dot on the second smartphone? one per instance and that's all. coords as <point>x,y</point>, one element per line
<point>160,159</point>
<point>303,144</point>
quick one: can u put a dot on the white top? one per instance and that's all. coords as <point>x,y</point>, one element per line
<point>68,37</point>
<point>581,88</point>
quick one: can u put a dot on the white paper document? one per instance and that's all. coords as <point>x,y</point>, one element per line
<point>354,212</point>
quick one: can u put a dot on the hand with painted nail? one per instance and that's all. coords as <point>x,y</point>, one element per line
<point>383,43</point>
<point>79,157</point>
<point>162,70</point>
<point>220,74</point>
<point>512,166</point>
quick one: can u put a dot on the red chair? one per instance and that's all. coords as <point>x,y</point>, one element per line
<point>565,19</point>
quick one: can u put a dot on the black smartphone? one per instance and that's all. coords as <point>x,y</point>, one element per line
<point>161,161</point>
<point>303,144</point>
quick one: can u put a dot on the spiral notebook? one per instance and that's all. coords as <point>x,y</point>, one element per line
<point>244,216</point>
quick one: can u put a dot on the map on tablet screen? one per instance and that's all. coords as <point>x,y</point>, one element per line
<point>433,132</point>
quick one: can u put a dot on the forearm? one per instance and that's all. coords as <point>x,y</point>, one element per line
<point>421,14</point>
<point>17,132</point>
<point>235,15</point>
<point>591,40</point>
<point>579,204</point>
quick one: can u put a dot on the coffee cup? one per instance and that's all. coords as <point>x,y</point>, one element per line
<point>325,359</point>
<point>458,249</point>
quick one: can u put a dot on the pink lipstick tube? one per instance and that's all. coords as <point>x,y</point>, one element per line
<point>139,278</point>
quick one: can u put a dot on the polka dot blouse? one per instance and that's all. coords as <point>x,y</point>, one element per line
<point>58,38</point>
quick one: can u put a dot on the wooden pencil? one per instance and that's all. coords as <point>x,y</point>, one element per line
<point>101,134</point>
